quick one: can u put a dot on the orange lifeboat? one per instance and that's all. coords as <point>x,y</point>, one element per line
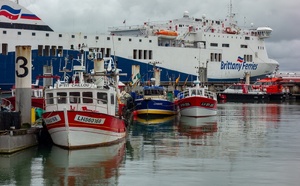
<point>166,33</point>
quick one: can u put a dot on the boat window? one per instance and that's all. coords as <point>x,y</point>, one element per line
<point>4,32</point>
<point>107,54</point>
<point>33,34</point>
<point>61,97</point>
<point>102,98</point>
<point>47,34</point>
<point>73,36</point>
<point>50,98</point>
<point>87,97</point>
<point>150,54</point>
<point>19,33</point>
<point>74,97</point>
<point>193,92</point>
<point>112,99</point>
<point>59,35</point>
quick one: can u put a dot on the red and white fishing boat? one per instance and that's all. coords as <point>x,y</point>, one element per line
<point>82,113</point>
<point>197,101</point>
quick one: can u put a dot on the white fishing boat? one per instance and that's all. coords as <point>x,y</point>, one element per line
<point>197,101</point>
<point>224,48</point>
<point>80,113</point>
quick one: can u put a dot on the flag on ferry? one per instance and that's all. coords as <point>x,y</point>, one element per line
<point>9,12</point>
<point>240,59</point>
<point>29,16</point>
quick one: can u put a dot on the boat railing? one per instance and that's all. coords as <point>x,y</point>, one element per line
<point>210,94</point>
<point>86,104</point>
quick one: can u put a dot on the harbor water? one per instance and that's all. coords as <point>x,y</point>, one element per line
<point>246,144</point>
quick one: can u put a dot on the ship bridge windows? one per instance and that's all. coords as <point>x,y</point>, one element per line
<point>214,44</point>
<point>4,49</point>
<point>53,50</point>
<point>226,45</point>
<point>40,50</point>
<point>244,46</point>
<point>107,54</point>
<point>248,58</point>
<point>47,50</point>
<point>142,54</point>
<point>60,51</point>
<point>216,57</point>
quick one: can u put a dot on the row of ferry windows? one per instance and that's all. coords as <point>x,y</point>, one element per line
<point>73,36</point>
<point>217,57</point>
<point>53,50</point>
<point>142,54</point>
<point>75,97</point>
<point>226,45</point>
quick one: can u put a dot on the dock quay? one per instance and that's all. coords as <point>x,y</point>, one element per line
<point>17,139</point>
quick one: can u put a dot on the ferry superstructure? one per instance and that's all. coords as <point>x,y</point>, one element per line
<point>180,45</point>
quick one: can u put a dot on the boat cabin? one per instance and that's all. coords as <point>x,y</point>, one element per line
<point>84,98</point>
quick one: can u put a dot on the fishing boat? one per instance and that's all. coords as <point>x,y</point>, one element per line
<point>81,113</point>
<point>227,49</point>
<point>154,98</point>
<point>242,92</point>
<point>197,101</point>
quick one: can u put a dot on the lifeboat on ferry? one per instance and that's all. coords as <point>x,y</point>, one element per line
<point>166,34</point>
<point>229,31</point>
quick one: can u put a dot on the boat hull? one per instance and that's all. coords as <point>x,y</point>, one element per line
<point>197,106</point>
<point>82,129</point>
<point>242,97</point>
<point>154,107</point>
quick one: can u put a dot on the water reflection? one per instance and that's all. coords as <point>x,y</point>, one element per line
<point>96,166</point>
<point>197,127</point>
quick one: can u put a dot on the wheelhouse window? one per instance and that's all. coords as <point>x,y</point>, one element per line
<point>49,98</point>
<point>102,98</point>
<point>112,99</point>
<point>74,97</point>
<point>61,97</point>
<point>87,97</point>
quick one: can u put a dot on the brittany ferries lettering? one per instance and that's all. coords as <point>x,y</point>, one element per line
<point>180,45</point>
<point>238,66</point>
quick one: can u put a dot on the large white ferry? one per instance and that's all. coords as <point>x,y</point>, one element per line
<point>179,45</point>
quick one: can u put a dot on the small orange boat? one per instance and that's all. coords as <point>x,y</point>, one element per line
<point>166,33</point>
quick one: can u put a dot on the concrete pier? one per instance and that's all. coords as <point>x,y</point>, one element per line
<point>15,140</point>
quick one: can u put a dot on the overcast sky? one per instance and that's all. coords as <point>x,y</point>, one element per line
<point>95,16</point>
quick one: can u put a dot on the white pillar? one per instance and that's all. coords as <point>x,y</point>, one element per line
<point>23,82</point>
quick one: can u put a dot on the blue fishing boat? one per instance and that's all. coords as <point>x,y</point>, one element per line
<point>154,101</point>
